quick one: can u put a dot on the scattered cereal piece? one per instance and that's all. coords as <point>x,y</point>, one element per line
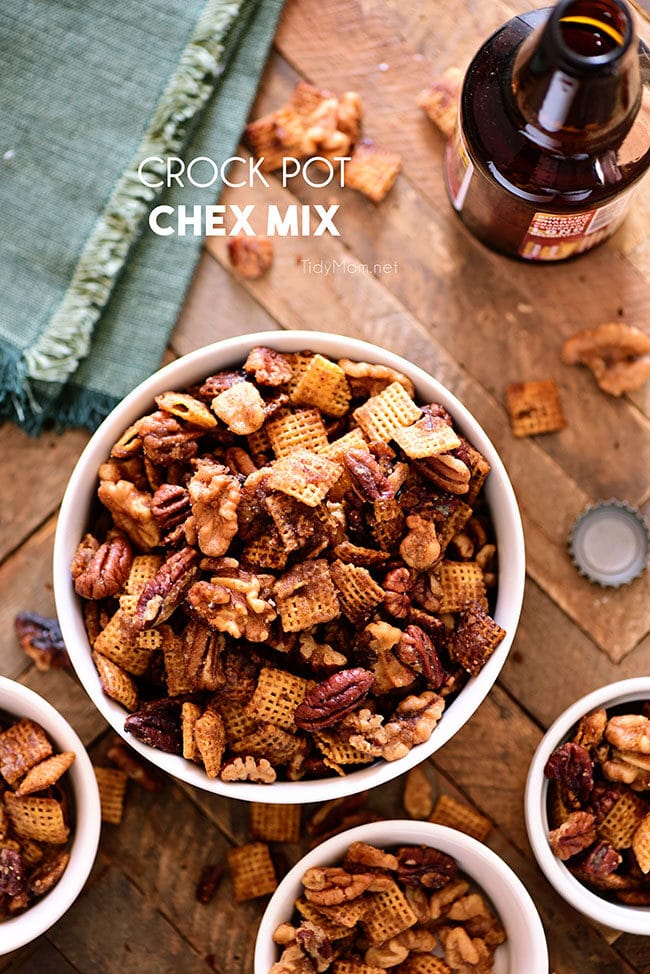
<point>534,408</point>
<point>372,170</point>
<point>251,257</point>
<point>112,786</point>
<point>274,823</point>
<point>252,871</point>
<point>440,100</point>
<point>617,354</point>
<point>418,794</point>
<point>456,815</point>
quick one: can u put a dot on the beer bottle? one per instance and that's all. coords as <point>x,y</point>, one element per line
<point>553,132</point>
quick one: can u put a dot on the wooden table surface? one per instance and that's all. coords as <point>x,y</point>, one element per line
<point>476,321</point>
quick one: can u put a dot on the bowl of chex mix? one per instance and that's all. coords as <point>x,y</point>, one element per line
<point>409,896</point>
<point>49,815</point>
<point>588,805</point>
<point>289,566</point>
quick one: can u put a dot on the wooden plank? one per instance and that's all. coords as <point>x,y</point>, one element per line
<point>25,586</point>
<point>488,759</point>
<point>216,307</point>
<point>353,302</point>
<point>44,958</point>
<point>168,871</point>
<point>114,928</point>
<point>63,690</point>
<point>552,663</point>
<point>40,468</point>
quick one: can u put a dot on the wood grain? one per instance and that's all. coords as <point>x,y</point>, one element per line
<point>476,321</point>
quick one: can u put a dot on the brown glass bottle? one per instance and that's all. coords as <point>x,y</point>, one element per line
<point>554,130</point>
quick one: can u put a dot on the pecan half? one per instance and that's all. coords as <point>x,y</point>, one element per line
<point>40,638</point>
<point>105,572</point>
<point>171,507</point>
<point>423,866</point>
<point>166,590</point>
<point>446,471</point>
<point>166,439</point>
<point>602,860</point>
<point>416,650</point>
<point>159,725</point>
<point>333,699</point>
<point>571,766</point>
<point>398,586</point>
<point>142,773</point>
<point>368,477</point>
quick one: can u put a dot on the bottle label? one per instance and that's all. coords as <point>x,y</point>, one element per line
<point>459,169</point>
<point>555,236</point>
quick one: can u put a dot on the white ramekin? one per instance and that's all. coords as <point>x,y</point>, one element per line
<point>525,948</point>
<point>19,701</point>
<point>81,489</point>
<point>619,916</point>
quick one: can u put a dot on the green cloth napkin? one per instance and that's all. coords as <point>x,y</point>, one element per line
<point>88,293</point>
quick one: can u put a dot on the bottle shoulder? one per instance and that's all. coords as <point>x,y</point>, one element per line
<point>512,151</point>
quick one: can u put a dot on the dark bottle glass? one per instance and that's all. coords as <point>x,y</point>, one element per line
<point>554,130</point>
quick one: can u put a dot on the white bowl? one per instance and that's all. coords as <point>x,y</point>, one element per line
<point>619,916</point>
<point>19,701</point>
<point>525,948</point>
<point>74,513</point>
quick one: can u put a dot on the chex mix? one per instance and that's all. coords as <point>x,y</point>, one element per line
<point>291,570</point>
<point>35,815</point>
<point>599,803</point>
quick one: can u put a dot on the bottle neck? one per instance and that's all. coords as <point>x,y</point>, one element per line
<point>576,79</point>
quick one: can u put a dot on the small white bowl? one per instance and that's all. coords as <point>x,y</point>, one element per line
<point>525,948</point>
<point>81,491</point>
<point>619,916</point>
<point>19,701</point>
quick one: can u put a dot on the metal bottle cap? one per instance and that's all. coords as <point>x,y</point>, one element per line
<point>609,543</point>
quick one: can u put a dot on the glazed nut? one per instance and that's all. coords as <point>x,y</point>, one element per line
<point>423,866</point>
<point>420,548</point>
<point>571,766</point>
<point>40,638</point>
<point>214,496</point>
<point>250,256</point>
<point>448,472</point>
<point>575,835</point>
<point>367,475</point>
<point>416,650</point>
<point>333,699</point>
<point>617,354</point>
<point>164,592</point>
<point>386,955</point>
<point>330,885</point>
<point>170,506</point>
<point>418,794</point>
<point>398,587</point>
<point>629,732</point>
<point>269,368</point>
<point>100,571</point>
